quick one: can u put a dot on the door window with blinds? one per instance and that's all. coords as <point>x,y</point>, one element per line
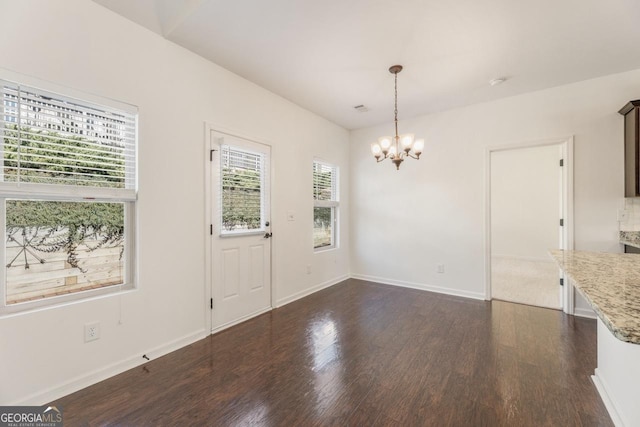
<point>325,205</point>
<point>67,195</point>
<point>242,193</point>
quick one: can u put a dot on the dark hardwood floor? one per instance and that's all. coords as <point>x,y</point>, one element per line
<point>364,354</point>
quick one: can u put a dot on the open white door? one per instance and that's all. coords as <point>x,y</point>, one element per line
<point>529,211</point>
<point>240,243</point>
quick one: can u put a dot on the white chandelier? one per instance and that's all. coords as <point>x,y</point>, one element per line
<point>399,147</point>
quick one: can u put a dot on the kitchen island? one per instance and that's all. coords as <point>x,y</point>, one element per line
<point>610,283</point>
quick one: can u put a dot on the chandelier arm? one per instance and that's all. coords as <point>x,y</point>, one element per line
<point>417,157</point>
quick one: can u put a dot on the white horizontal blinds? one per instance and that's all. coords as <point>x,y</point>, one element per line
<point>325,182</point>
<point>54,140</point>
<point>242,190</point>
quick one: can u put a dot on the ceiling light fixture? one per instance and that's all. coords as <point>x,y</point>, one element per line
<point>399,147</point>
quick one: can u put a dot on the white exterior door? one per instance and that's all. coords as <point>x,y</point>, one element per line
<point>241,243</point>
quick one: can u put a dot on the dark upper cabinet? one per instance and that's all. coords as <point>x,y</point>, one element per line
<point>631,113</point>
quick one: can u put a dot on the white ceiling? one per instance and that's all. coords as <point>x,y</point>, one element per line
<point>331,55</point>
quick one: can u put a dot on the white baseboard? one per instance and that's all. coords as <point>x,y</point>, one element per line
<point>421,286</point>
<point>101,374</point>
<point>240,320</point>
<point>306,292</point>
<point>93,377</point>
<point>584,312</point>
<point>601,386</point>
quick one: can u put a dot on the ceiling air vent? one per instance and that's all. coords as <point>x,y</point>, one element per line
<point>361,108</point>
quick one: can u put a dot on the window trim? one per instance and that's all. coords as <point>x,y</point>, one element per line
<point>333,204</point>
<point>69,193</point>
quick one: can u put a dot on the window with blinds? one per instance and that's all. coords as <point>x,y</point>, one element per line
<point>242,190</point>
<point>54,140</point>
<point>324,182</point>
<point>325,205</point>
<point>67,194</point>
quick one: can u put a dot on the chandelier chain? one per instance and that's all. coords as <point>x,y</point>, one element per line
<point>395,111</point>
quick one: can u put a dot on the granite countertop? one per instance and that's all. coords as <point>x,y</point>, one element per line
<point>611,284</point>
<point>631,238</point>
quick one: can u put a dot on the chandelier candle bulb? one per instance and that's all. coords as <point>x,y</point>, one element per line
<point>418,146</point>
<point>385,143</point>
<point>397,148</point>
<point>406,141</point>
<point>376,150</point>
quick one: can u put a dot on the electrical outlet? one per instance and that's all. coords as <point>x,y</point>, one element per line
<point>91,331</point>
<point>291,216</point>
<point>308,268</point>
<point>440,268</point>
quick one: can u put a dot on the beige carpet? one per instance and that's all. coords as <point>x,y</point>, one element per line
<point>525,281</point>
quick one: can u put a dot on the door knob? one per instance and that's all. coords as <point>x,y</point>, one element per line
<point>267,235</point>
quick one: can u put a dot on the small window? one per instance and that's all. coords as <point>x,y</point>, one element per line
<point>325,205</point>
<point>67,197</point>
<point>242,192</point>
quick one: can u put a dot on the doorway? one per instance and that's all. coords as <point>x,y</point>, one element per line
<point>239,211</point>
<point>528,215</point>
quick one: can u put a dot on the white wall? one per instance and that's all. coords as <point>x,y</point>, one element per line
<point>525,202</point>
<point>406,222</point>
<point>83,46</point>
<point>402,223</point>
